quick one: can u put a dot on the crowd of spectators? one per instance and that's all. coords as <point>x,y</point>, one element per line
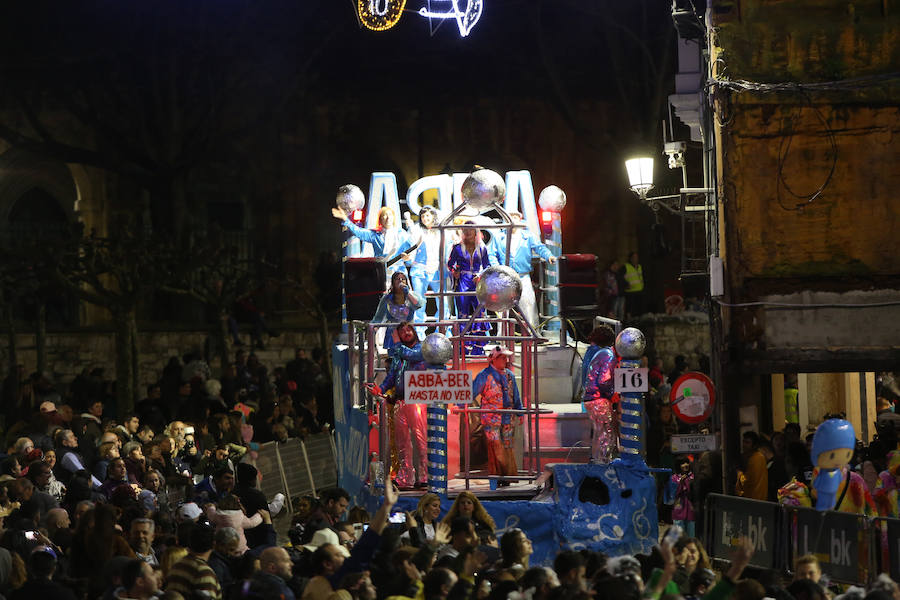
<point>87,489</point>
<point>164,502</point>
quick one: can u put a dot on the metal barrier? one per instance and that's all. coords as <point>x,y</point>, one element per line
<point>297,467</point>
<point>851,548</point>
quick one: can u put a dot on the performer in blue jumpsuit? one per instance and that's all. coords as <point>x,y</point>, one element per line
<point>495,387</point>
<point>388,241</point>
<point>425,271</point>
<point>467,260</point>
<point>524,243</point>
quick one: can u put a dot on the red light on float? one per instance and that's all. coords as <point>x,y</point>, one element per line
<point>547,222</point>
<point>358,216</point>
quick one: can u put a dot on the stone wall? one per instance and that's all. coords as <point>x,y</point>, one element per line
<point>70,352</point>
<point>668,336</point>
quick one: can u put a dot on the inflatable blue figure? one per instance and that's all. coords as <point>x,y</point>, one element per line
<point>832,448</point>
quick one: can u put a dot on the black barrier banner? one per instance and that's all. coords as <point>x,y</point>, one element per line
<point>839,540</point>
<point>730,517</point>
<point>887,536</point>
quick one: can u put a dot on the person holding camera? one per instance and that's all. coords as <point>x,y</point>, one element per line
<point>399,304</point>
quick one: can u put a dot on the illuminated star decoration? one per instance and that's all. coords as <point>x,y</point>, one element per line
<point>450,9</point>
<point>379,15</point>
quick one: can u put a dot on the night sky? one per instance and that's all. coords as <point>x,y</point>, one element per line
<point>170,87</point>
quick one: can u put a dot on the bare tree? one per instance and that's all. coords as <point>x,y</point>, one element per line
<point>118,273</point>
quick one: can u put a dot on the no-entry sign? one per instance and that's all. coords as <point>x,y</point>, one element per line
<point>438,387</point>
<point>693,397</point>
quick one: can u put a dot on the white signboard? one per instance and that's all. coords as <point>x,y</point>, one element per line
<point>687,444</point>
<point>437,387</point>
<point>632,381</point>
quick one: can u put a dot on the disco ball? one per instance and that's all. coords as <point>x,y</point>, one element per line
<point>630,343</point>
<point>350,198</point>
<point>483,188</point>
<point>437,349</point>
<point>552,198</point>
<point>499,288</point>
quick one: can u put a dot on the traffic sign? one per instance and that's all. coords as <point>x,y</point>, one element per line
<point>693,397</point>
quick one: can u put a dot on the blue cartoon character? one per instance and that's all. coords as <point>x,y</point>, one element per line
<point>832,448</point>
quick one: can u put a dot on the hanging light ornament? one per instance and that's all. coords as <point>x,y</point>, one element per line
<point>379,15</point>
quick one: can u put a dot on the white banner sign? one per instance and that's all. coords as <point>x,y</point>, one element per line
<point>632,381</point>
<point>438,387</point>
<point>686,444</point>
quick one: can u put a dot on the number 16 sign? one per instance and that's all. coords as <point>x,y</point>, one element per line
<point>629,381</point>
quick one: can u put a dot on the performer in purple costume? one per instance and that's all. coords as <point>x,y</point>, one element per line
<point>467,260</point>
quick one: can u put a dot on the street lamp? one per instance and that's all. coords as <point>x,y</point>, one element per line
<point>640,178</point>
<point>640,175</point>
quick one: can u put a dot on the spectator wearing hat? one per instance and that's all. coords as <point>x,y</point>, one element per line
<point>495,388</point>
<point>42,564</point>
<point>189,511</point>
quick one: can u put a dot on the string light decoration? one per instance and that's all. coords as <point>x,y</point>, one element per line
<point>466,17</point>
<point>379,15</point>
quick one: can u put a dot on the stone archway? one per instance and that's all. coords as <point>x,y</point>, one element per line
<point>21,172</point>
<point>38,199</point>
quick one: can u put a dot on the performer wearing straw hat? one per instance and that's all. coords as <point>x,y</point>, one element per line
<point>495,387</point>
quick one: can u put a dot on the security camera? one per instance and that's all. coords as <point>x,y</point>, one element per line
<point>675,152</point>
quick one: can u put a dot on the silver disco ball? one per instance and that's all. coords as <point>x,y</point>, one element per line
<point>437,349</point>
<point>350,198</point>
<point>499,288</point>
<point>552,198</point>
<point>630,343</point>
<point>483,188</point>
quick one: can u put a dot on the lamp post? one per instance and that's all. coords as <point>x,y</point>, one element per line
<point>640,175</point>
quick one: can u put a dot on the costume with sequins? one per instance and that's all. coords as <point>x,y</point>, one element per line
<point>408,419</point>
<point>600,402</point>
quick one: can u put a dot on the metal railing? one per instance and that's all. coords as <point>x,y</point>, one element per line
<point>363,349</point>
<point>364,356</point>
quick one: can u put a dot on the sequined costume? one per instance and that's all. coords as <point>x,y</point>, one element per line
<point>600,401</point>
<point>408,419</point>
<point>498,390</point>
<point>468,266</point>
<point>388,311</point>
